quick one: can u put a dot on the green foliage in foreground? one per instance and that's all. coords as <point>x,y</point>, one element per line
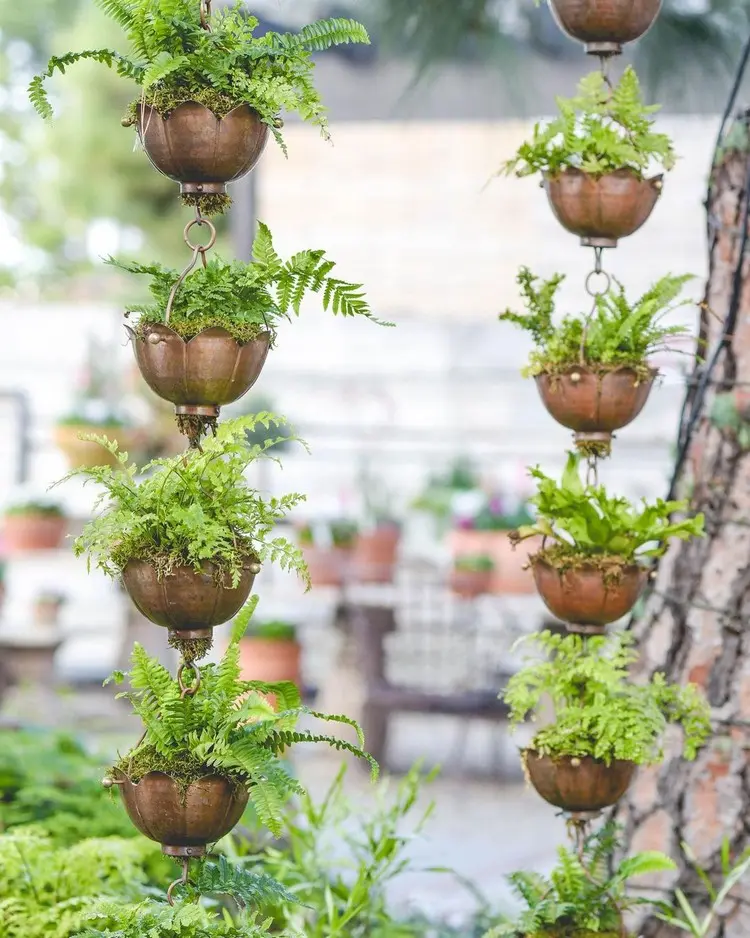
<point>246,299</point>
<point>619,333</point>
<point>581,894</point>
<point>597,710</point>
<point>173,60</point>
<point>588,524</point>
<point>600,130</point>
<point>191,736</point>
<point>190,509</point>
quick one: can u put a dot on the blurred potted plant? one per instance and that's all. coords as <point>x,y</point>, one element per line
<point>376,547</point>
<point>482,527</point>
<point>47,607</point>
<point>33,525</point>
<point>472,575</point>
<point>439,493</point>
<point>327,549</point>
<point>270,652</point>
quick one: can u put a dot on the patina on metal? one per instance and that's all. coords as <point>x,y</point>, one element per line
<point>602,209</point>
<point>182,821</point>
<point>604,26</point>
<point>583,598</point>
<point>201,151</point>
<point>580,785</point>
<point>188,602</point>
<point>595,403</point>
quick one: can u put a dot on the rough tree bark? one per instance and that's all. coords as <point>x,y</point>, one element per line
<point>696,625</point>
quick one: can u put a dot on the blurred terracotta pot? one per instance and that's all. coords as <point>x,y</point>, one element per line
<point>271,660</point>
<point>199,150</point>
<point>374,555</point>
<point>471,583</point>
<point>604,25</point>
<point>186,601</point>
<point>595,404</point>
<point>584,598</point>
<point>83,454</point>
<point>40,531</point>
<point>329,566</point>
<point>578,784</point>
<point>182,822</point>
<point>602,209</point>
<point>509,576</point>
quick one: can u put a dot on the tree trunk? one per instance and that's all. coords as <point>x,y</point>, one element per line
<point>696,625</point>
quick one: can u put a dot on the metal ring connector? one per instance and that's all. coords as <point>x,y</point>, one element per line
<point>182,881</point>
<point>188,690</point>
<point>607,283</point>
<point>200,221</point>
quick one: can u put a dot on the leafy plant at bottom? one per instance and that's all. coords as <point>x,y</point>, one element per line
<point>600,130</point>
<point>597,710</point>
<point>340,873</point>
<point>189,509</point>
<point>683,915</point>
<point>580,895</point>
<point>587,524</point>
<point>173,59</point>
<point>474,563</point>
<point>147,919</point>
<point>228,727</point>
<point>618,333</point>
<point>245,299</point>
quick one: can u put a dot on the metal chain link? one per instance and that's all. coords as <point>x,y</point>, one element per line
<point>206,15</point>
<point>199,250</point>
<point>182,881</point>
<point>188,690</point>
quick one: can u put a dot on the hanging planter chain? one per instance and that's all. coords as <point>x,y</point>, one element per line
<point>197,249</point>
<point>206,15</point>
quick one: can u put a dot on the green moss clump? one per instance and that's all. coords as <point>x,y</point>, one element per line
<point>190,649</point>
<point>197,322</point>
<point>215,203</point>
<point>165,100</point>
<point>182,766</point>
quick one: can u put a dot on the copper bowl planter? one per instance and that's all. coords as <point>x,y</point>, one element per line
<point>199,150</point>
<point>604,25</point>
<point>579,785</point>
<point>595,404</point>
<point>188,603</point>
<point>602,209</point>
<point>199,375</point>
<point>584,598</point>
<point>182,822</point>
<point>373,558</point>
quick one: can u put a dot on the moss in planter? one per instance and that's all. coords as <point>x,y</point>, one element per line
<point>563,558</point>
<point>190,649</point>
<point>164,101</point>
<point>183,767</point>
<point>188,328</point>
<point>557,370</point>
<point>215,203</point>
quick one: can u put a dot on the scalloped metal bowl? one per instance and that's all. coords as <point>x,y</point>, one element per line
<point>185,600</point>
<point>211,369</point>
<point>578,784</point>
<point>183,822</point>
<point>199,150</point>
<point>604,25</point>
<point>602,209</point>
<point>591,402</point>
<point>582,597</point>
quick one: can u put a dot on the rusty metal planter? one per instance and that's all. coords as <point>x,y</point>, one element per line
<point>186,602</point>
<point>584,599</point>
<point>578,784</point>
<point>604,25</point>
<point>210,370</point>
<point>199,150</point>
<point>182,822</point>
<point>602,209</point>
<point>595,404</point>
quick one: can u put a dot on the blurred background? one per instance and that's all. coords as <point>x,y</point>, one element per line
<point>420,436</point>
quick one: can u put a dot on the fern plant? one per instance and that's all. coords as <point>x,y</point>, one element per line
<point>618,334</point>
<point>587,525</point>
<point>584,894</point>
<point>174,59</point>
<point>245,299</point>
<point>601,130</point>
<point>111,919</point>
<point>229,726</point>
<point>189,509</point>
<point>598,712</point>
